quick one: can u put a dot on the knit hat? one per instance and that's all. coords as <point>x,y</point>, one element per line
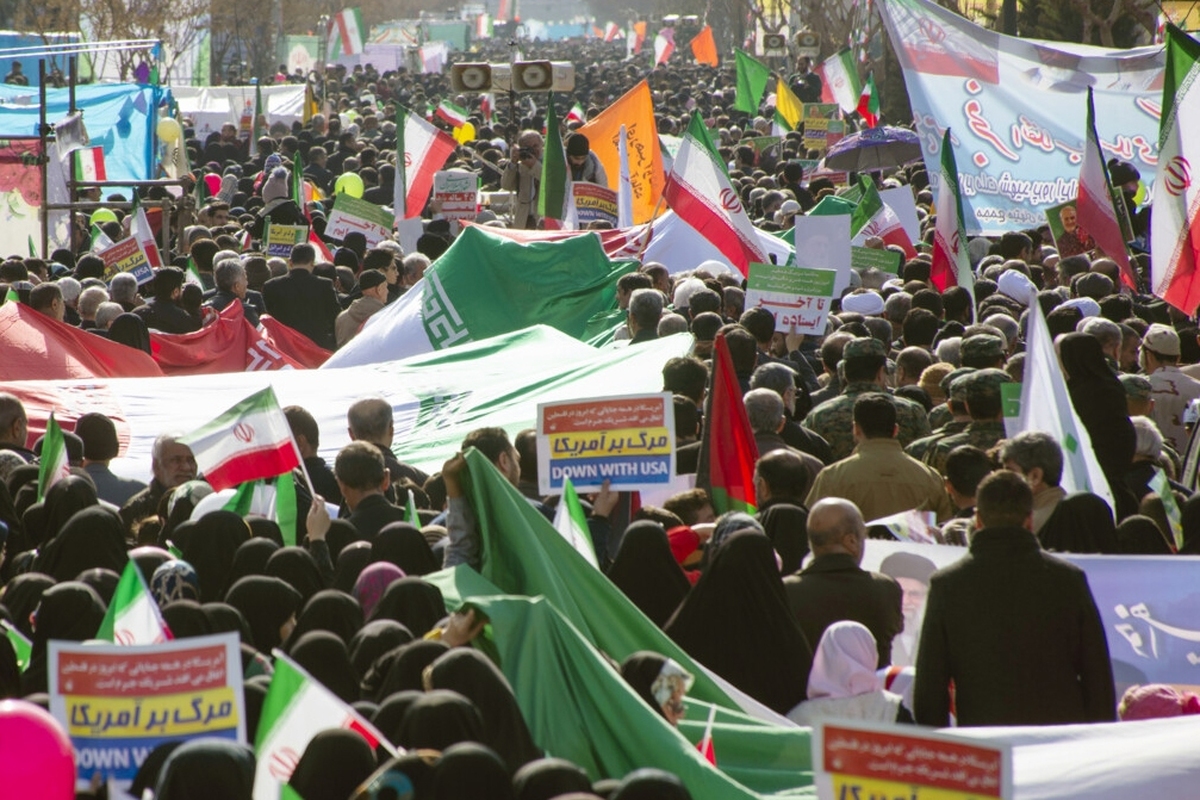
<point>577,145</point>
<point>370,278</point>
<point>276,187</point>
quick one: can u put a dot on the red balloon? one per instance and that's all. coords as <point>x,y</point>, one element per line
<point>36,758</point>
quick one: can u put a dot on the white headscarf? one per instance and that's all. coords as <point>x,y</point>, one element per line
<point>845,661</point>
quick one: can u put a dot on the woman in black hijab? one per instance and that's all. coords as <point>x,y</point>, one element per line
<point>66,497</point>
<point>439,719</point>
<point>70,611</point>
<point>10,672</point>
<point>401,669</point>
<point>202,769</point>
<point>269,606</point>
<point>296,566</point>
<point>130,330</point>
<point>149,558</point>
<point>93,537</point>
<point>104,581</point>
<point>340,535</point>
<point>1081,523</point>
<point>325,657</point>
<point>405,546</point>
<point>210,549</point>
<point>1140,536</point>
<point>736,622</point>
<point>1099,399</point>
<point>547,778</point>
<point>648,574</point>
<point>251,558</point>
<point>414,603</point>
<point>332,611</point>
<point>263,528</point>
<point>21,597</point>
<point>786,526</point>
<point>471,674</point>
<point>333,765</point>
<point>642,670</point>
<point>375,639</point>
<point>471,770</point>
<point>353,559</point>
<point>186,619</point>
<point>391,711</point>
<point>651,784</point>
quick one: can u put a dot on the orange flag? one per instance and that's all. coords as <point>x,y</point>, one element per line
<point>704,48</point>
<point>634,110</point>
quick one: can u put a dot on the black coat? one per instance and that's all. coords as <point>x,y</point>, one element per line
<point>305,302</point>
<point>372,513</point>
<point>833,588</point>
<point>1018,632</point>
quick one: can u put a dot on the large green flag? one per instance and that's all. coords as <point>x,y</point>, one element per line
<point>752,77</point>
<point>555,203</point>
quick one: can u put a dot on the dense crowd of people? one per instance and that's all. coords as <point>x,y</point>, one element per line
<point>898,406</point>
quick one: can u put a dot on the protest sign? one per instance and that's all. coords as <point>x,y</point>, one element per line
<point>126,255</point>
<point>118,703</point>
<point>888,261</point>
<point>823,242</point>
<point>594,203</point>
<point>857,760</point>
<point>1010,398</point>
<point>352,214</point>
<point>799,298</point>
<point>625,440</point>
<point>456,194</point>
<point>823,125</point>
<point>280,239</point>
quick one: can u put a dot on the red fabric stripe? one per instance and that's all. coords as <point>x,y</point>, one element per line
<point>732,449</point>
<point>250,465</point>
<point>422,182</point>
<point>710,223</point>
<point>942,273</point>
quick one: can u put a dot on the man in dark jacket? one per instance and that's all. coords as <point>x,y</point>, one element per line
<point>363,479</point>
<point>162,312</point>
<point>304,301</point>
<point>833,587</point>
<point>1014,628</point>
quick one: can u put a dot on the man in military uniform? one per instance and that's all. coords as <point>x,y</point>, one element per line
<point>983,351</point>
<point>955,415</point>
<point>865,364</point>
<point>986,408</point>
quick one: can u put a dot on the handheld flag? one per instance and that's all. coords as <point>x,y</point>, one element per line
<point>1162,487</point>
<point>732,450</point>
<point>704,48</point>
<point>54,466</point>
<point>89,164</point>
<point>133,616</point>
<point>705,745</point>
<point>139,228</point>
<point>451,114</point>
<point>20,644</point>
<point>752,77</point>
<point>868,103</point>
<point>345,34</point>
<point>664,46</point>
<point>258,129</point>
<point>788,108</point>
<point>410,512</point>
<point>576,114</point>
<point>571,521</point>
<point>873,217</point>
<point>556,201</point>
<point>421,150</point>
<point>698,190</point>
<point>251,440</point>
<point>275,500</point>
<point>951,264</point>
<point>1095,206</point>
<point>841,78</point>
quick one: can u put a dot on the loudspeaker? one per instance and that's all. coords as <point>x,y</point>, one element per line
<point>774,44</point>
<point>468,77</point>
<point>543,76</point>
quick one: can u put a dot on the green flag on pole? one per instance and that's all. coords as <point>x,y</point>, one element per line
<point>752,77</point>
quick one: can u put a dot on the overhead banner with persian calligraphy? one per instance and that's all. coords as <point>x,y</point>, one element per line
<point>628,441</point>
<point>119,703</point>
<point>1016,109</point>
<point>1149,606</point>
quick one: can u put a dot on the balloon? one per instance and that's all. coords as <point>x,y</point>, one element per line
<point>213,181</point>
<point>464,133</point>
<point>1140,197</point>
<point>169,130</point>
<point>348,183</point>
<point>36,759</point>
<point>102,215</point>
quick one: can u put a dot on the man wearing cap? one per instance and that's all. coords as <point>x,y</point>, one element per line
<point>584,164</point>
<point>374,287</point>
<point>1139,394</point>
<point>865,302</point>
<point>1172,390</point>
<point>955,408</point>
<point>984,404</point>
<point>1013,628</point>
<point>100,446</point>
<point>983,351</point>
<point>878,477</point>
<point>865,360</point>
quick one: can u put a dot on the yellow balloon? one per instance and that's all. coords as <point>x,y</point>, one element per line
<point>464,133</point>
<point>1140,197</point>
<point>169,130</point>
<point>348,183</point>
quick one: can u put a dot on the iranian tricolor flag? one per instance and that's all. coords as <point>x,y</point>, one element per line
<point>729,438</point>
<point>698,190</point>
<point>296,709</point>
<point>133,616</point>
<point>1094,206</point>
<point>868,103</point>
<point>139,228</point>
<point>664,46</point>
<point>576,114</point>
<point>487,106</point>
<point>611,31</point>
<point>346,34</point>
<point>1174,233</point>
<point>453,115</point>
<point>873,217</point>
<point>425,149</point>
<point>841,78</point>
<point>410,511</point>
<point>53,466</point>
<point>252,440</point>
<point>571,521</point>
<point>556,198</point>
<point>323,251</point>
<point>273,499</point>
<point>89,164</point>
<point>951,264</point>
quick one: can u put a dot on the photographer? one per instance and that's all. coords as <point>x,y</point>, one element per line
<point>522,176</point>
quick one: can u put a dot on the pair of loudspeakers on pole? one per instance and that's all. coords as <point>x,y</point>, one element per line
<point>520,76</point>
